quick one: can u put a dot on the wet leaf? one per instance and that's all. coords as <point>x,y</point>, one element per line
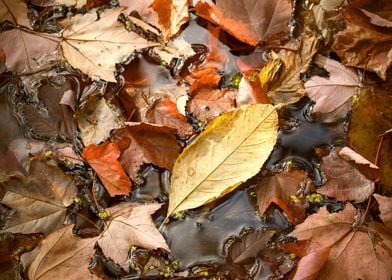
<point>104,160</point>
<point>40,200</point>
<point>2,61</point>
<point>385,206</point>
<point>165,113</point>
<point>172,14</point>
<point>142,143</point>
<point>142,8</point>
<point>62,255</point>
<point>335,231</point>
<point>249,21</point>
<point>95,44</point>
<point>232,149</point>
<point>131,225</point>
<point>250,90</point>
<point>96,119</point>
<point>330,93</point>
<point>25,49</point>
<point>364,44</point>
<point>344,181</point>
<point>14,11</point>
<point>283,189</point>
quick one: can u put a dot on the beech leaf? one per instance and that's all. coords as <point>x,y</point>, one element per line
<point>95,44</point>
<point>131,225</point>
<point>331,92</point>
<point>40,200</point>
<point>62,255</point>
<point>232,149</point>
<point>172,14</point>
<point>104,160</point>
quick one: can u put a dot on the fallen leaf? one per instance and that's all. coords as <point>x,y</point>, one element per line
<point>309,266</point>
<point>104,160</point>
<point>142,143</point>
<point>2,61</point>
<point>370,118</point>
<point>250,90</point>
<point>209,80</point>
<point>172,14</point>
<point>288,86</point>
<point>131,225</point>
<point>62,255</point>
<point>142,8</point>
<point>25,48</point>
<point>363,44</point>
<point>344,181</point>
<point>14,11</point>
<point>95,44</point>
<point>250,245</point>
<point>330,93</point>
<point>282,189</point>
<point>96,119</point>
<point>385,206</point>
<point>335,231</point>
<point>9,167</point>
<point>232,149</point>
<point>250,21</point>
<point>165,113</point>
<point>207,103</point>
<point>40,200</point>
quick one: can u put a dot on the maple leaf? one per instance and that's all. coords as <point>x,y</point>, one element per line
<point>95,44</point>
<point>335,231</point>
<point>25,49</point>
<point>39,200</point>
<point>131,225</point>
<point>370,44</point>
<point>229,151</point>
<point>282,190</point>
<point>172,14</point>
<point>344,182</point>
<point>332,92</point>
<point>96,119</point>
<point>61,255</point>
<point>248,21</point>
<point>385,206</point>
<point>143,8</point>
<point>103,159</point>
<point>14,11</point>
<point>142,143</point>
<point>165,113</point>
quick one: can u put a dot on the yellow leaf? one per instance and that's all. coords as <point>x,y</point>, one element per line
<point>232,149</point>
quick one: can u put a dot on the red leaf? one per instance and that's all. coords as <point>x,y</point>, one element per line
<point>103,159</point>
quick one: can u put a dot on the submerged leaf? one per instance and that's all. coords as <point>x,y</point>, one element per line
<point>232,149</point>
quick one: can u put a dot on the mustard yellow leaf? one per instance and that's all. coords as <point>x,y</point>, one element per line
<point>232,149</point>
<point>95,44</point>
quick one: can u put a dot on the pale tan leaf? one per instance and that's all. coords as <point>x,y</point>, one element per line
<point>172,14</point>
<point>232,149</point>
<point>95,44</point>
<point>142,8</point>
<point>39,200</point>
<point>131,225</point>
<point>62,255</point>
<point>14,11</point>
<point>96,119</point>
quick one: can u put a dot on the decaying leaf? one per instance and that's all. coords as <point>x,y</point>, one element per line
<point>330,93</point>
<point>131,225</point>
<point>96,119</point>
<point>95,44</point>
<point>248,21</point>
<point>142,143</point>
<point>282,189</point>
<point>40,200</point>
<point>288,87</point>
<point>165,113</point>
<point>26,49</point>
<point>232,149</point>
<point>62,255</point>
<point>385,206</point>
<point>344,181</point>
<point>364,43</point>
<point>172,14</point>
<point>14,11</point>
<point>104,160</point>
<point>346,243</point>
<point>142,8</point>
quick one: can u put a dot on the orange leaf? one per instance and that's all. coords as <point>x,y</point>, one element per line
<point>103,159</point>
<point>210,80</point>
